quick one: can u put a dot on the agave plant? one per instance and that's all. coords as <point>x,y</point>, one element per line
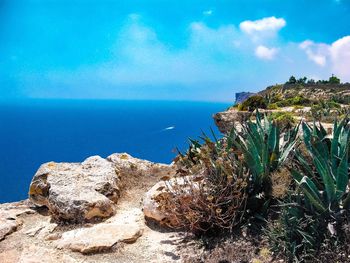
<point>264,148</point>
<point>325,186</point>
<point>217,182</point>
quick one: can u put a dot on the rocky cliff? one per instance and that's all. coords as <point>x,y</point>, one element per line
<point>323,102</point>
<point>242,96</point>
<point>89,212</point>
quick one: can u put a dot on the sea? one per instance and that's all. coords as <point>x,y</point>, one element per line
<point>33,132</point>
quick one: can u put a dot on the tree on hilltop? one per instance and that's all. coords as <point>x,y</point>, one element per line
<point>311,81</point>
<point>292,80</point>
<point>302,80</point>
<point>334,80</point>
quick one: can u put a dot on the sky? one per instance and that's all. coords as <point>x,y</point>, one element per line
<point>167,50</point>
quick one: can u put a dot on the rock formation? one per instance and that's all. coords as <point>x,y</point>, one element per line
<point>76,191</point>
<point>242,96</point>
<point>160,195</point>
<point>89,190</point>
<point>227,119</point>
<point>56,224</point>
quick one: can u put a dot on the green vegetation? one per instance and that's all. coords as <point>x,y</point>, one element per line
<point>324,110</point>
<point>284,120</point>
<point>332,80</point>
<point>272,106</point>
<point>294,101</point>
<point>323,100</point>
<point>325,186</point>
<point>316,211</point>
<point>253,103</point>
<point>289,189</point>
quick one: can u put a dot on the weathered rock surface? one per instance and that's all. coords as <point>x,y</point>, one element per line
<point>226,120</point>
<point>37,253</point>
<point>157,198</point>
<point>76,191</point>
<point>124,235</point>
<point>7,227</point>
<point>101,237</point>
<point>89,190</point>
<point>242,96</point>
<point>152,209</point>
<point>126,165</point>
<point>8,216</point>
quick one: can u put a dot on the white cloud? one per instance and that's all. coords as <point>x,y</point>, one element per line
<point>337,55</point>
<point>265,52</point>
<point>213,59</point>
<point>315,52</point>
<point>208,12</point>
<point>265,25</point>
<point>221,39</point>
<point>340,55</point>
<point>306,44</point>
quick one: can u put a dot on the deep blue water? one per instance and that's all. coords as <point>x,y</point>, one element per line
<point>38,131</point>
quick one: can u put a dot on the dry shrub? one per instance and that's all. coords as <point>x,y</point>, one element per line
<point>280,180</point>
<point>236,250</point>
<point>209,191</point>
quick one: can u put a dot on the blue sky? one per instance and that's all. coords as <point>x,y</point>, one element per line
<point>167,50</point>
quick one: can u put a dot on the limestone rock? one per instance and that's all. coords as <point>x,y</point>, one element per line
<point>37,254</point>
<point>127,165</point>
<point>7,226</point>
<point>151,208</point>
<point>15,209</point>
<point>242,96</point>
<point>9,256</point>
<point>100,237</point>
<point>76,191</point>
<point>42,229</point>
<point>9,213</point>
<point>226,120</point>
<point>160,194</point>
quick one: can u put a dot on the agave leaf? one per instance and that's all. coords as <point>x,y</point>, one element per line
<point>286,152</point>
<point>213,134</point>
<point>195,143</point>
<point>307,136</point>
<point>297,176</point>
<point>346,203</point>
<point>343,140</point>
<point>322,132</point>
<point>335,145</point>
<point>328,181</point>
<point>308,238</point>
<point>258,118</point>
<point>321,149</point>
<point>231,138</point>
<point>342,173</point>
<point>273,138</point>
<point>251,157</point>
<point>254,137</point>
<point>310,191</point>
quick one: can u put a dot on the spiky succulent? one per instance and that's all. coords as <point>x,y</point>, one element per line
<point>325,186</point>
<point>264,148</point>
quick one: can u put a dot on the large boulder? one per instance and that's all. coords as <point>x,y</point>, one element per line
<point>89,190</point>
<point>158,200</point>
<point>76,191</point>
<point>152,207</point>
